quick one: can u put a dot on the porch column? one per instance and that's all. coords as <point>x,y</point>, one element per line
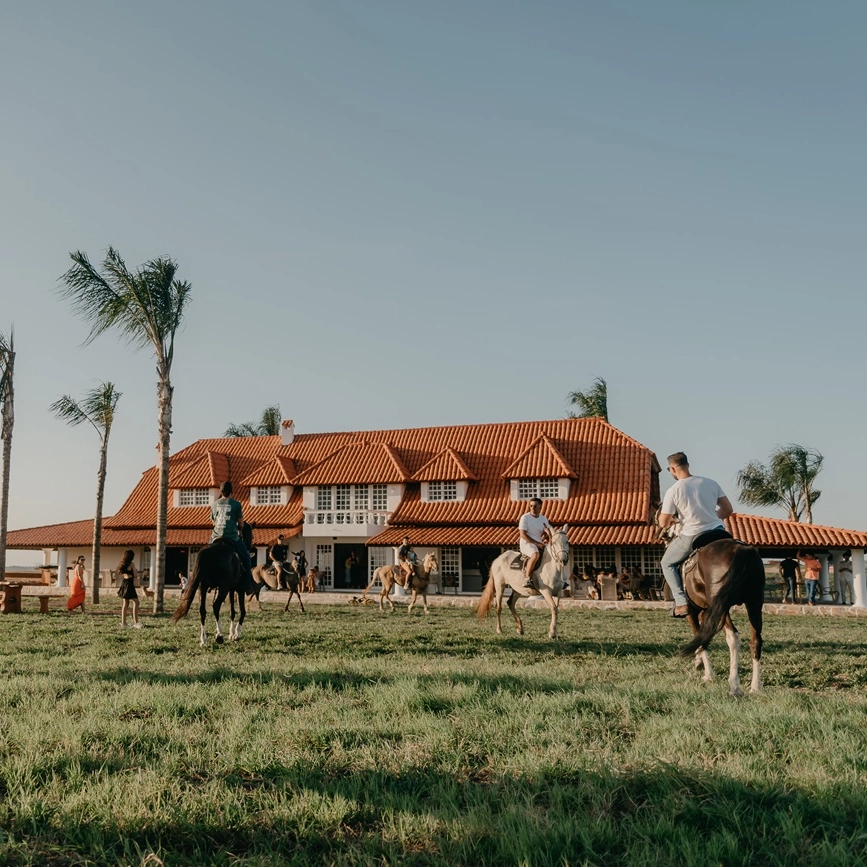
<point>836,557</point>
<point>824,581</point>
<point>858,577</point>
<point>152,575</point>
<point>61,566</point>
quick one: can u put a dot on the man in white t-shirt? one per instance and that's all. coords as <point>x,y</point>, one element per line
<point>534,531</point>
<point>700,505</point>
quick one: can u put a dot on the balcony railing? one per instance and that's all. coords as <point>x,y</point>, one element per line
<point>350,516</point>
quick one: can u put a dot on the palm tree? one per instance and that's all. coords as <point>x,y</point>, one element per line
<point>7,410</point>
<point>592,403</point>
<point>97,409</point>
<point>787,481</point>
<point>269,425</point>
<point>147,307</point>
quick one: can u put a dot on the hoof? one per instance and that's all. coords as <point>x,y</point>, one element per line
<point>218,639</point>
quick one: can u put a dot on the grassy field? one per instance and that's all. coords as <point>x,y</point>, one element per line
<point>347,737</point>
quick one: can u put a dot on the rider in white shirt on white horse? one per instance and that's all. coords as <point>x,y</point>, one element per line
<point>535,532</point>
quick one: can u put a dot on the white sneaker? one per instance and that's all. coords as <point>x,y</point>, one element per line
<point>137,625</point>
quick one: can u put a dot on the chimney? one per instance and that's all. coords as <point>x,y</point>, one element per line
<point>287,432</point>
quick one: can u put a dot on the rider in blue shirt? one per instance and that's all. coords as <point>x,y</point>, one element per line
<point>228,521</point>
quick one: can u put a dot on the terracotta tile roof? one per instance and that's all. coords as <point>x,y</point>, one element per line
<point>280,471</point>
<point>447,466</point>
<point>79,534</point>
<point>210,471</point>
<point>615,486</point>
<point>776,533</point>
<point>499,536</point>
<point>361,463</point>
<point>542,460</point>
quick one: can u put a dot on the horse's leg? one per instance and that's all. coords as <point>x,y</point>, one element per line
<point>546,594</point>
<point>242,613</point>
<point>512,603</point>
<point>412,600</point>
<point>218,602</point>
<point>233,632</point>
<point>424,600</point>
<point>300,601</point>
<point>203,595</point>
<point>498,605</point>
<point>702,659</point>
<point>754,612</point>
<point>733,640</point>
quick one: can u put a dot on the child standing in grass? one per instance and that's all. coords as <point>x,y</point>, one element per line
<point>76,587</point>
<point>126,590</point>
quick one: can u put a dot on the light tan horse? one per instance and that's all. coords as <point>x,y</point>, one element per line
<point>263,576</point>
<point>550,578</point>
<point>388,576</point>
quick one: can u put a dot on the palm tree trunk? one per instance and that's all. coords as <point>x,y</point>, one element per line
<point>97,519</point>
<point>808,509</point>
<point>8,423</point>
<point>164,397</point>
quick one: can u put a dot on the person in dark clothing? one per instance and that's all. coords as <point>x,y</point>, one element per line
<point>277,554</point>
<point>790,572</point>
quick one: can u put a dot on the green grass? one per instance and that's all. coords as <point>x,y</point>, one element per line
<point>348,737</point>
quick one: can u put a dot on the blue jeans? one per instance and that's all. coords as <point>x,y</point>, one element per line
<point>677,551</point>
<point>812,586</point>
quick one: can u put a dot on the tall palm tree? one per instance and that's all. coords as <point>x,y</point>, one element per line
<point>7,410</point>
<point>269,425</point>
<point>786,481</point>
<point>147,308</point>
<point>592,403</point>
<point>97,408</point>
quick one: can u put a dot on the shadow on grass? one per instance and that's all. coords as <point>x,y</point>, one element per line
<point>425,817</point>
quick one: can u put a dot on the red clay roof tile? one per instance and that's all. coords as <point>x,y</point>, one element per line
<point>447,466</point>
<point>542,460</point>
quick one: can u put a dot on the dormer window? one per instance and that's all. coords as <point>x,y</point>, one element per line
<point>194,497</point>
<point>267,495</point>
<point>544,489</point>
<point>440,491</point>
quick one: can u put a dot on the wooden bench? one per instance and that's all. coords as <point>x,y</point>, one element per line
<point>42,577</point>
<point>44,594</point>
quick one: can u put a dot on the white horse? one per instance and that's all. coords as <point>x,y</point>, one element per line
<point>551,576</point>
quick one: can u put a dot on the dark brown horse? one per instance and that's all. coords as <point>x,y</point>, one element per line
<point>716,577</point>
<point>217,568</point>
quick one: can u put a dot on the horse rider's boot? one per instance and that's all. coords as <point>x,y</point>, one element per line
<point>529,584</point>
<point>680,611</point>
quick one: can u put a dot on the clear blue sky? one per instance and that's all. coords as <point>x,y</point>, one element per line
<point>406,214</point>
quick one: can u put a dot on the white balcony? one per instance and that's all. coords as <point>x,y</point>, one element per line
<point>348,522</point>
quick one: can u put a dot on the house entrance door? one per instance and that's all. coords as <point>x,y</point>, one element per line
<point>357,579</point>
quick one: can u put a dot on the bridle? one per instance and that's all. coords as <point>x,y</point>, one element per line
<point>558,546</point>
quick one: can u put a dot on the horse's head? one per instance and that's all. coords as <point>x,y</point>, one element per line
<point>558,545</point>
<point>431,564</point>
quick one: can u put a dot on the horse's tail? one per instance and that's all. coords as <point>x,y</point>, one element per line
<point>734,587</point>
<point>376,577</point>
<point>190,592</point>
<point>487,597</point>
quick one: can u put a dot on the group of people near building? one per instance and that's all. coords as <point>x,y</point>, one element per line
<point>791,576</point>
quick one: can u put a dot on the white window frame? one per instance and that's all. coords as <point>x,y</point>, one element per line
<point>379,498</point>
<point>442,491</point>
<point>548,488</point>
<point>269,495</point>
<point>324,561</point>
<point>194,497</point>
<point>324,497</point>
